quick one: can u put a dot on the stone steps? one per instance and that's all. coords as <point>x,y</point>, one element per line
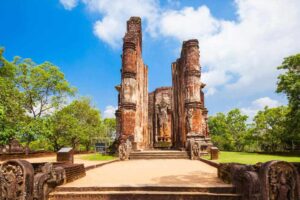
<point>215,189</point>
<point>158,155</point>
<point>147,193</point>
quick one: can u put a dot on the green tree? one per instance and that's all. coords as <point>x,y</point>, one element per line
<point>11,101</point>
<point>44,86</point>
<point>219,132</point>
<point>289,83</point>
<point>110,128</point>
<point>237,126</point>
<point>44,89</point>
<point>76,124</point>
<point>269,128</point>
<point>229,132</point>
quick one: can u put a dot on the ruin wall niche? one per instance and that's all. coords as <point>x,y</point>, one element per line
<point>161,116</point>
<point>132,113</point>
<point>129,91</point>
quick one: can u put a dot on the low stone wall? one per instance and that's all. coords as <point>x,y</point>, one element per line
<point>209,162</point>
<point>22,155</point>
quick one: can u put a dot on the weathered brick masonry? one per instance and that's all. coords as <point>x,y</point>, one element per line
<point>169,116</point>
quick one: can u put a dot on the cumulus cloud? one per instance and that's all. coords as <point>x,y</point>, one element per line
<point>250,47</point>
<point>111,28</point>
<point>260,104</point>
<point>188,23</point>
<point>109,111</point>
<point>69,4</point>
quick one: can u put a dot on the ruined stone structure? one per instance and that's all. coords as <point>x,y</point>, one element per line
<point>190,114</point>
<point>133,95</point>
<point>169,117</point>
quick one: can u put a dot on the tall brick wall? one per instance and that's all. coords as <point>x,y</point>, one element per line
<point>132,123</point>
<point>190,115</point>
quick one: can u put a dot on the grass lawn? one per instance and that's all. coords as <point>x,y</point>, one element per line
<point>97,156</point>
<point>252,158</point>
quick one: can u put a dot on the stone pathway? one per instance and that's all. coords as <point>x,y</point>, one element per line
<point>169,172</point>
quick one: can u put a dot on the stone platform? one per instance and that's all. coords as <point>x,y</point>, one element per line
<point>158,154</point>
<point>149,179</point>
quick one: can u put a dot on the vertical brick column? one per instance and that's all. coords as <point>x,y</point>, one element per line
<point>128,89</point>
<point>192,82</point>
<point>132,115</point>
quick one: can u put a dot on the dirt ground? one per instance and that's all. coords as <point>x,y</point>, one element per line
<point>170,172</point>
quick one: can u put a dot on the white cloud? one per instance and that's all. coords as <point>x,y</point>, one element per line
<point>109,111</point>
<point>188,23</point>
<point>69,4</point>
<point>111,28</point>
<point>260,104</point>
<point>250,48</point>
<point>266,101</point>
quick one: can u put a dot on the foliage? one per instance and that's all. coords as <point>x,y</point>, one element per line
<point>229,131</point>
<point>110,128</point>
<point>44,86</point>
<point>253,158</point>
<point>11,101</point>
<point>289,83</point>
<point>77,123</point>
<point>269,128</point>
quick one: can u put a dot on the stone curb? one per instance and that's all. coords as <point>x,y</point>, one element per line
<point>100,165</point>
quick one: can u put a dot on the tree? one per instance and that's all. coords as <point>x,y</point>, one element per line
<point>289,83</point>
<point>219,131</point>
<point>11,101</point>
<point>269,128</point>
<point>110,128</point>
<point>44,86</point>
<point>229,132</point>
<point>237,126</point>
<point>44,89</point>
<point>78,123</point>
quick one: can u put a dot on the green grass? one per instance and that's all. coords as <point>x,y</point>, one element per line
<point>252,158</point>
<point>97,156</point>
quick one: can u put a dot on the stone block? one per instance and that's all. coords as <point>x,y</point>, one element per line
<point>65,154</point>
<point>214,153</point>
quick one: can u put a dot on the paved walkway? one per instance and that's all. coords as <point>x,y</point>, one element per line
<point>77,159</point>
<point>150,172</point>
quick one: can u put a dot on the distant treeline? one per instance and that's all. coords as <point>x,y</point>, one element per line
<point>272,129</point>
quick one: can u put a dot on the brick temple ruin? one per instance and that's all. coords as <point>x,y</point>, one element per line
<point>169,117</point>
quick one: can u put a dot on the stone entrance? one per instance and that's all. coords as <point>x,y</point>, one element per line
<point>169,117</point>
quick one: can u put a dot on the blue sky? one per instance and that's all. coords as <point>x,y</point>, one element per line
<point>241,43</point>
